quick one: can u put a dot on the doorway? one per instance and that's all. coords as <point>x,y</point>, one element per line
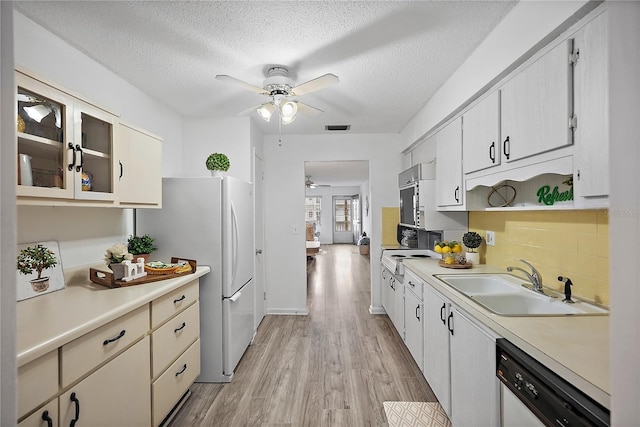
<point>343,219</point>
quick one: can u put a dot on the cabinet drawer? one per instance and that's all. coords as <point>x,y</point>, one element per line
<point>169,305</point>
<point>37,382</point>
<point>89,351</point>
<point>36,419</point>
<point>174,337</point>
<point>174,382</point>
<point>414,284</point>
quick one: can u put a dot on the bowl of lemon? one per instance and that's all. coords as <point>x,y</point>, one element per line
<point>452,256</point>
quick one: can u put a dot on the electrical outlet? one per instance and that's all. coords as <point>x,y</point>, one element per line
<point>490,238</point>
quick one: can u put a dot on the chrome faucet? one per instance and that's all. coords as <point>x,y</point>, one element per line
<point>535,278</point>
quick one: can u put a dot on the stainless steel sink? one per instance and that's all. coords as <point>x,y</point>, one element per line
<point>507,295</point>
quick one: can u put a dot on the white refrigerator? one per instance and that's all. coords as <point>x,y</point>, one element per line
<point>210,220</point>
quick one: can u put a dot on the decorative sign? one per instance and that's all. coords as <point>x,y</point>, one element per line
<point>38,269</point>
<point>549,197</point>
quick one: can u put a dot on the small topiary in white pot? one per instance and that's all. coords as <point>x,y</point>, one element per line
<point>217,163</point>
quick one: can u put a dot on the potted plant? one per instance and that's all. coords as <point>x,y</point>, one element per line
<point>472,241</point>
<point>141,246</point>
<point>114,257</point>
<point>37,258</point>
<point>218,163</point>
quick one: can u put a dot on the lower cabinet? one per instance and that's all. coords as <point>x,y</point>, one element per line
<point>116,394</point>
<point>475,390</point>
<point>131,371</point>
<point>437,361</point>
<point>398,305</point>
<point>413,333</point>
<point>459,363</point>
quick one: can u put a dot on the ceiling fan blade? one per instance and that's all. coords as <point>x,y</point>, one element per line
<point>249,110</point>
<point>233,80</point>
<point>315,84</point>
<point>308,110</point>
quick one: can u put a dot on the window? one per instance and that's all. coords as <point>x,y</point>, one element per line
<point>313,209</point>
<point>342,214</point>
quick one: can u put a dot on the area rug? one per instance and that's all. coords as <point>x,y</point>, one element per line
<point>415,414</point>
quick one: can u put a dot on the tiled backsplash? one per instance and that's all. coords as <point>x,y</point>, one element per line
<point>572,243</point>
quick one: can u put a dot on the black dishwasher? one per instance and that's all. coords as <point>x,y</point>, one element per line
<point>551,399</point>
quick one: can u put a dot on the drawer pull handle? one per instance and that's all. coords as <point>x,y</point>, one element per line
<point>180,328</point>
<point>47,418</point>
<point>184,368</point>
<point>75,400</point>
<point>177,300</point>
<point>114,339</point>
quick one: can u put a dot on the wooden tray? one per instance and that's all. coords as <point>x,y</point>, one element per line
<point>105,278</point>
<point>441,263</point>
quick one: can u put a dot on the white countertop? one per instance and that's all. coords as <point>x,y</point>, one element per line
<point>575,347</point>
<point>49,321</point>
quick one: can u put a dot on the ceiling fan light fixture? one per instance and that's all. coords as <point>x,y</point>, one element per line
<point>287,120</point>
<point>266,111</point>
<point>288,109</point>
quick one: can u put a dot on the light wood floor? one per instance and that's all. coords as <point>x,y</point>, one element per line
<point>333,367</point>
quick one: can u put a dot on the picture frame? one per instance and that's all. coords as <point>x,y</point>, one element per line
<point>38,269</point>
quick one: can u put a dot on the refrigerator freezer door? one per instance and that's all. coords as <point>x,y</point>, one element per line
<point>237,333</point>
<point>237,241</point>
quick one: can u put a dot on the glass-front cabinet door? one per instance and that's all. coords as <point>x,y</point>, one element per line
<point>93,136</point>
<point>65,145</point>
<point>45,156</point>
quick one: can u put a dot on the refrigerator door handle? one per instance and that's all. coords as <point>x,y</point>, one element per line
<point>234,232</point>
<point>235,297</point>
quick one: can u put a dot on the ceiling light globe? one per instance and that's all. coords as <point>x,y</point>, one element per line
<point>265,111</point>
<point>289,109</point>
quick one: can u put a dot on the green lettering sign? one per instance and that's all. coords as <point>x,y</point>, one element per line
<point>549,197</point>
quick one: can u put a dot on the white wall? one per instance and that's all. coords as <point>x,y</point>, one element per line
<point>284,208</point>
<point>326,214</point>
<point>520,31</point>
<point>231,136</point>
<point>624,212</point>
<point>365,196</point>
<point>8,152</point>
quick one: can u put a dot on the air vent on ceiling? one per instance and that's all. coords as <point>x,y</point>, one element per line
<point>337,127</point>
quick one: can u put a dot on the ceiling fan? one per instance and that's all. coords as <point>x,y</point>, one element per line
<point>310,184</point>
<point>279,87</point>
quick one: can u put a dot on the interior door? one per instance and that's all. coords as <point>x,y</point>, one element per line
<point>343,219</point>
<point>357,218</point>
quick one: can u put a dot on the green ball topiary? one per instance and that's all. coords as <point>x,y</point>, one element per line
<point>472,240</point>
<point>218,162</point>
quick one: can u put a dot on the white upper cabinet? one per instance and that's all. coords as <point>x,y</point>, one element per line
<point>449,186</point>
<point>481,144</point>
<point>71,152</point>
<point>591,77</point>
<point>536,106</point>
<point>139,168</point>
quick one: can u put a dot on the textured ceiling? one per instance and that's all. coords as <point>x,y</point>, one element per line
<point>390,56</point>
<point>338,174</point>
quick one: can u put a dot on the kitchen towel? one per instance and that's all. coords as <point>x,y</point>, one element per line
<point>415,414</point>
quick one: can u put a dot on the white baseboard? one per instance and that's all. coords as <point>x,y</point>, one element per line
<point>288,311</point>
<point>377,310</point>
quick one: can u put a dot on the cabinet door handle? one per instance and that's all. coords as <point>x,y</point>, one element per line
<point>73,160</point>
<point>177,300</point>
<point>492,152</point>
<point>75,400</point>
<point>506,148</point>
<point>413,285</point>
<point>450,322</point>
<point>418,312</point>
<point>79,149</point>
<point>455,194</point>
<point>107,341</point>
<point>121,169</point>
<point>444,321</point>
<point>47,418</point>
<point>176,330</point>
<point>184,368</point>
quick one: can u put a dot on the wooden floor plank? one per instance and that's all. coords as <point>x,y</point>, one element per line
<point>333,367</point>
